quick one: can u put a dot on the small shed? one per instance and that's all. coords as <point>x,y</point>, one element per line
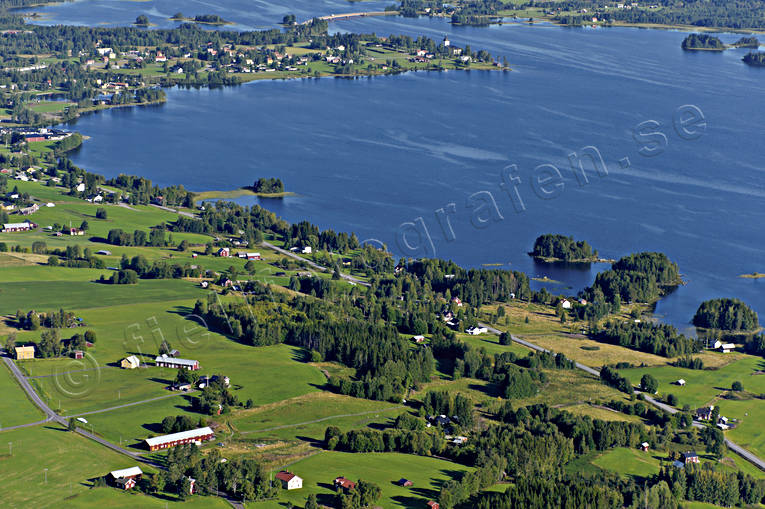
<point>404,482</point>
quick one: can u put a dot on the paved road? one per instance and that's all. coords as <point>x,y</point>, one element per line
<point>757,461</point>
<point>311,264</point>
<point>53,416</point>
<point>181,212</point>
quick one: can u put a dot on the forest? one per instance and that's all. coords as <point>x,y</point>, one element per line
<point>755,58</point>
<point>702,41</point>
<point>726,314</point>
<point>658,339</point>
<point>564,248</point>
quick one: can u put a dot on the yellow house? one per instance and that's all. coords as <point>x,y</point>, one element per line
<point>131,362</point>
<point>25,352</point>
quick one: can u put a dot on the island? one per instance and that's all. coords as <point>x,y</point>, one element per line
<point>755,58</point>
<point>205,19</point>
<point>557,248</point>
<point>702,42</point>
<point>263,187</point>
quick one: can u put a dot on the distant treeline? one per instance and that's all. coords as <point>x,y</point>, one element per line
<point>701,13</point>
<point>726,314</point>
<point>658,339</point>
<point>562,248</point>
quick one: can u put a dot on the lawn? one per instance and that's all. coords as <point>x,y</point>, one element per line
<point>383,469</point>
<point>98,498</point>
<point>630,462</point>
<point>15,407</point>
<point>599,412</point>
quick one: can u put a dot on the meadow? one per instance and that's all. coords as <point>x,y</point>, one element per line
<point>383,469</point>
<point>15,407</point>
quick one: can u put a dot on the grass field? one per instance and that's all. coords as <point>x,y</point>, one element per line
<point>97,498</point>
<point>50,447</point>
<point>289,419</point>
<point>383,469</point>
<point>15,407</point>
<point>703,386</point>
<point>598,412</point>
<point>630,462</point>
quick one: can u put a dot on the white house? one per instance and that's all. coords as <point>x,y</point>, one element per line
<point>681,382</point>
<point>565,304</point>
<point>306,250</point>
<point>474,331</point>
<point>80,188</point>
<point>727,347</point>
<point>289,480</point>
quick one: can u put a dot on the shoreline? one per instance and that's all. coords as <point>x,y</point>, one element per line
<point>236,193</point>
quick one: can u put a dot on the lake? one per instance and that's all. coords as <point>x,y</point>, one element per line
<point>385,157</point>
<point>244,14</point>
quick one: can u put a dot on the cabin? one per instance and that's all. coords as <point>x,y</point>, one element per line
<point>346,485</point>
<point>78,354</point>
<point>289,480</point>
<point>306,250</point>
<point>459,440</point>
<point>224,252</point>
<point>76,231</point>
<point>680,382</point>
<point>165,361</point>
<point>727,347</point>
<point>418,339</point>
<point>565,304</point>
<point>474,331</point>
<point>126,473</point>
<point>690,457</point>
<point>644,446</point>
<point>432,505</point>
<point>249,256</point>
<point>103,252</point>
<point>196,436</point>
<point>25,352</point>
<point>457,301</point>
<point>404,482</point>
<point>131,362</point>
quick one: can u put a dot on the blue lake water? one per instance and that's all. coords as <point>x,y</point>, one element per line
<point>245,14</point>
<point>370,155</point>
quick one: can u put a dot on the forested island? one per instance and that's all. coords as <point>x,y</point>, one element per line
<point>755,58</point>
<point>552,247</point>
<point>702,42</point>
<point>267,186</point>
<point>207,19</point>
<point>726,314</point>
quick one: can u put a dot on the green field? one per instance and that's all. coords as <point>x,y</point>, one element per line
<point>70,460</point>
<point>703,386</point>
<point>15,407</point>
<point>70,463</point>
<point>630,462</point>
<point>383,469</point>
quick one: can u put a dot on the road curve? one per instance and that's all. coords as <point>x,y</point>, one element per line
<point>311,264</point>
<point>755,460</point>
